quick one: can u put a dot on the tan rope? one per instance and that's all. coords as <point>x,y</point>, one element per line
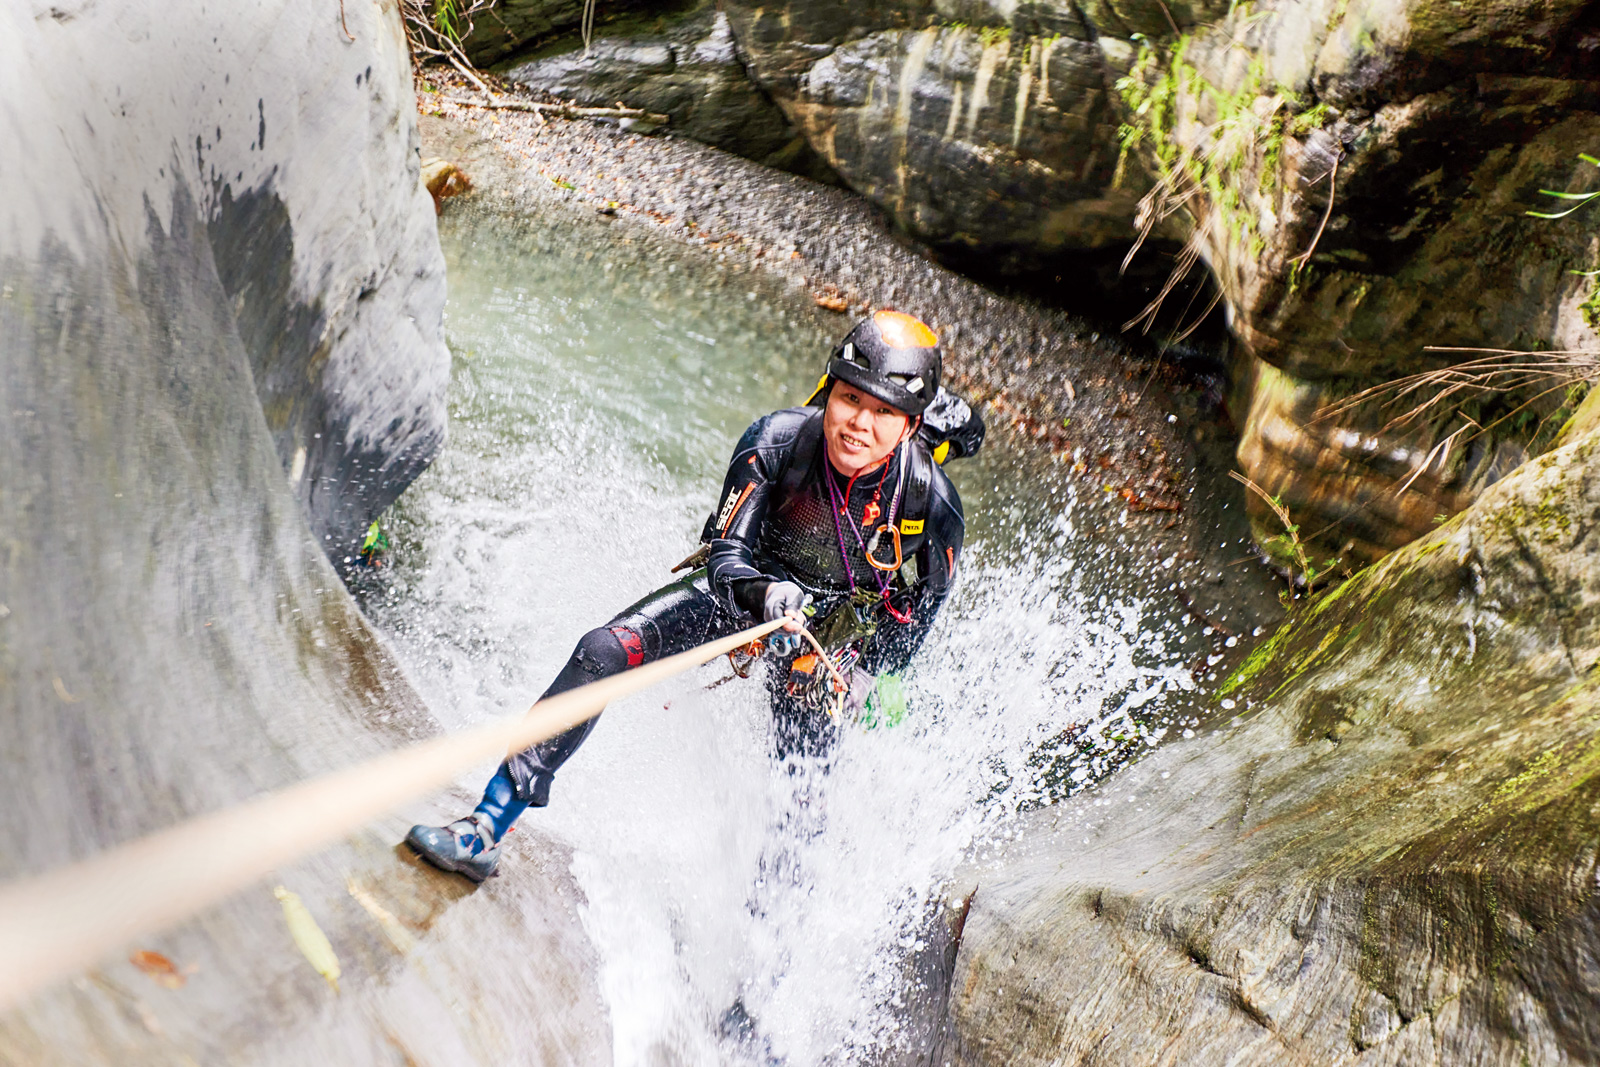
<point>66,920</point>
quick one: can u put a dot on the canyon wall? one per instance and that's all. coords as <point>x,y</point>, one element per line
<point>220,355</point>
<point>1383,851</point>
<point>1353,175</point>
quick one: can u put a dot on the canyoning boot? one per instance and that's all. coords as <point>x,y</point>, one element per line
<point>466,847</point>
<point>471,846</point>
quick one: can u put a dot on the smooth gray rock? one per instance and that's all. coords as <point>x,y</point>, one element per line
<point>684,65</point>
<point>994,138</point>
<point>511,25</point>
<point>992,143</point>
<point>214,247</point>
<point>1387,857</point>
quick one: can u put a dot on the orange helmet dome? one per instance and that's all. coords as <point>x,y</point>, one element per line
<point>892,356</point>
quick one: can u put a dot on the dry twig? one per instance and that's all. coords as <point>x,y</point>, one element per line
<point>1501,371</point>
<point>1333,176</point>
<point>1498,372</point>
<point>566,111</point>
<point>438,33</point>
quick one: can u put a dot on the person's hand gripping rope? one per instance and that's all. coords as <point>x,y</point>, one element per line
<point>785,599</point>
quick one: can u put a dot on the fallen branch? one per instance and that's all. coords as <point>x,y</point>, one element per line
<point>470,74</point>
<point>566,111</point>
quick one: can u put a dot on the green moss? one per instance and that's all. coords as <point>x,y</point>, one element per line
<point>1259,659</point>
<point>1551,517</point>
<point>1303,663</point>
<point>1311,119</point>
<point>1590,308</point>
<point>1153,91</point>
<point>1235,160</point>
<point>1271,155</point>
<point>1585,418</point>
<point>1542,766</point>
<point>1334,595</point>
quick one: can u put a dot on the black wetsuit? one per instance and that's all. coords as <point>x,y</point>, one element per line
<point>775,523</point>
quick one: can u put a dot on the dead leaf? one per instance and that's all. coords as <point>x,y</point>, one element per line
<point>392,928</point>
<point>831,302</point>
<point>308,936</point>
<point>161,970</point>
<point>442,179</point>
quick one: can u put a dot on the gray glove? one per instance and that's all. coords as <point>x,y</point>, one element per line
<point>781,598</point>
<point>861,686</point>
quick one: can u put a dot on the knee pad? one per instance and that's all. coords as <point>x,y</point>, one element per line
<point>608,650</point>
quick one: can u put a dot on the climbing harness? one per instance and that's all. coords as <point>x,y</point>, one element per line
<point>820,679</point>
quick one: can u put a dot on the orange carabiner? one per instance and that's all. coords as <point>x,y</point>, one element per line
<point>742,657</point>
<point>898,558</point>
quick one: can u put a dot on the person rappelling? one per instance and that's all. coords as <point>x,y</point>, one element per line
<point>836,515</point>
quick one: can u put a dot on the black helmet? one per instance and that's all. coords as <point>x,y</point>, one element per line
<point>893,357</point>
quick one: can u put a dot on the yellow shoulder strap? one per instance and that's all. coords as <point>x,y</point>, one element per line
<point>822,383</point>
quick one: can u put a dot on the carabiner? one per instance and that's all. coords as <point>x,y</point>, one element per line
<point>894,532</point>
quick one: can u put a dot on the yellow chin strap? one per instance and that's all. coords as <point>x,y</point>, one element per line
<point>822,383</point>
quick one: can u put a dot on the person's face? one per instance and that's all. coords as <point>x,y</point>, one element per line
<point>860,430</point>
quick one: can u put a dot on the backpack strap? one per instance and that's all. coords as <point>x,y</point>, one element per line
<point>919,481</point>
<point>915,505</point>
<point>801,454</point>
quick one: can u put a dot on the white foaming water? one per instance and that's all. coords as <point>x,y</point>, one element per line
<point>593,412</point>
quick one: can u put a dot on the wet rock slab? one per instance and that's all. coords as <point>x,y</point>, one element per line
<point>1388,856</point>
<point>220,351</point>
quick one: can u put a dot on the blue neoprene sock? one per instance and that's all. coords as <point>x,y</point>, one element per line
<point>500,802</point>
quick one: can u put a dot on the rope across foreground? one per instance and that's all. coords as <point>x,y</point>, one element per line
<point>66,920</point>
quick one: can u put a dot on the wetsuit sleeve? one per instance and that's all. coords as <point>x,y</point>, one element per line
<point>938,561</point>
<point>736,581</point>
